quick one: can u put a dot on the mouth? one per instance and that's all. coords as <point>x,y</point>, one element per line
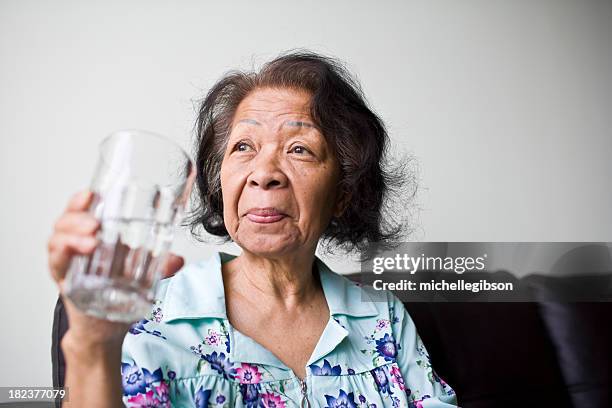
<point>265,215</point>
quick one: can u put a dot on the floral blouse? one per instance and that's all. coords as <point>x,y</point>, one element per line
<point>186,353</point>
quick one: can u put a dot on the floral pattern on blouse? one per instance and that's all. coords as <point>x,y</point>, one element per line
<point>144,388</point>
<point>186,353</point>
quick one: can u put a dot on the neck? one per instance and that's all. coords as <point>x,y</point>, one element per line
<point>286,282</point>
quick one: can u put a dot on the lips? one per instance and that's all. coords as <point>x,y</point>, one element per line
<point>265,215</point>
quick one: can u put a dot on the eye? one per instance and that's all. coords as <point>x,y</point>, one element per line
<point>299,149</point>
<point>242,147</point>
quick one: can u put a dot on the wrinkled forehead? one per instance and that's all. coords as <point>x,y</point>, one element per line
<point>277,130</point>
<point>290,123</point>
<point>274,108</point>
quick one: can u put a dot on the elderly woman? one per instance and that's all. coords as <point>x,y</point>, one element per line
<point>287,157</point>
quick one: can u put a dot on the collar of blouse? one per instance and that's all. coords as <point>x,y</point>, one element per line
<point>197,292</point>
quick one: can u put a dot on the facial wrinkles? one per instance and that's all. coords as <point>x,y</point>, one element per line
<point>272,126</point>
<point>278,124</point>
<point>273,153</point>
<point>274,109</point>
<point>287,135</point>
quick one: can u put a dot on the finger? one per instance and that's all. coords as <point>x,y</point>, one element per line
<point>172,265</point>
<point>81,223</point>
<point>80,201</point>
<point>62,247</point>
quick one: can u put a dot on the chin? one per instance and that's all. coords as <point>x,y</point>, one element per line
<point>269,246</point>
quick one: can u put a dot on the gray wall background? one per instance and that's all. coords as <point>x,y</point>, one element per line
<point>507,105</point>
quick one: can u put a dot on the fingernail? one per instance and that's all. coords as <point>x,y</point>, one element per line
<point>84,196</point>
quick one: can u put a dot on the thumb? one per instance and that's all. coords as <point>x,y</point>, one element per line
<point>172,264</point>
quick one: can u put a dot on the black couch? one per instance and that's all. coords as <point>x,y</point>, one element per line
<point>547,347</point>
<point>500,354</point>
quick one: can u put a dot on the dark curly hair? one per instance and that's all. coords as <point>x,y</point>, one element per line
<point>339,110</point>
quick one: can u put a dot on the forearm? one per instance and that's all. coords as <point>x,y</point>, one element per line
<point>93,373</point>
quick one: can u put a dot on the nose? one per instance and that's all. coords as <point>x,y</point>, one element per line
<point>267,174</point>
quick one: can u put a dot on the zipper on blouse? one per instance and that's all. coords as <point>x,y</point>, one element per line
<point>305,403</point>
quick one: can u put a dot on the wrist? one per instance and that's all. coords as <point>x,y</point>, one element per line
<point>79,349</point>
<point>93,372</point>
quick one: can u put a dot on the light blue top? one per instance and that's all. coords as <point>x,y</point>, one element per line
<point>187,354</point>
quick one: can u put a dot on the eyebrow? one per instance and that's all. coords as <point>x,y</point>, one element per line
<point>296,123</point>
<point>250,121</point>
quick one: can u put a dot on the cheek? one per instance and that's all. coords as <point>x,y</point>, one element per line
<point>229,186</point>
<point>318,193</point>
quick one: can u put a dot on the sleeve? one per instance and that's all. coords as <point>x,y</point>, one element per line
<point>424,387</point>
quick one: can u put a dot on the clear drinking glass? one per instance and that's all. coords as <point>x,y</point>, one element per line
<point>141,185</point>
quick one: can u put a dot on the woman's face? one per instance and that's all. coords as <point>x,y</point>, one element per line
<point>278,176</point>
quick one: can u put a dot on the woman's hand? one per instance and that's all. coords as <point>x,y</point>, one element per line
<point>92,346</point>
<point>75,234</point>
